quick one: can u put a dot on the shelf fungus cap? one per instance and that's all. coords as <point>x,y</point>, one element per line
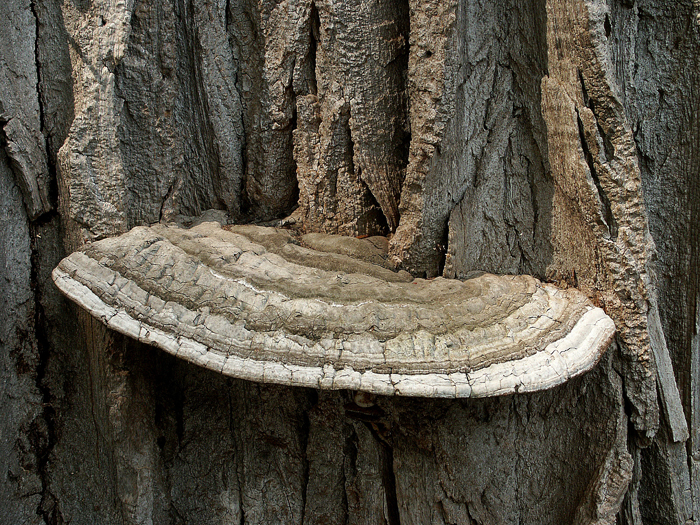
<point>260,304</point>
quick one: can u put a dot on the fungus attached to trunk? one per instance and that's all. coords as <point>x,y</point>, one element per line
<point>260,304</point>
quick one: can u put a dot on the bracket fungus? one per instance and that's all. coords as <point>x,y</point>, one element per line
<point>331,312</point>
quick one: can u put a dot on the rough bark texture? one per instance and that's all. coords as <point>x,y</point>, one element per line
<point>20,401</point>
<point>20,118</point>
<point>554,138</point>
<point>351,141</point>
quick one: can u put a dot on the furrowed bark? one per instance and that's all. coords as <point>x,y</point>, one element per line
<point>558,139</point>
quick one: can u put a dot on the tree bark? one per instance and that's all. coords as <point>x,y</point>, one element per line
<point>558,138</point>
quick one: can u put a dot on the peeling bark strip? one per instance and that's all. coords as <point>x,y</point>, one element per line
<point>668,389</point>
<point>253,304</point>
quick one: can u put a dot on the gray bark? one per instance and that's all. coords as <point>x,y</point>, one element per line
<point>554,138</point>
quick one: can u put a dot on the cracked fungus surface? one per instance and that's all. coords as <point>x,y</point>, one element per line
<point>257,303</point>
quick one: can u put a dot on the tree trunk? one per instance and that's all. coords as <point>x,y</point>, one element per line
<point>557,138</point>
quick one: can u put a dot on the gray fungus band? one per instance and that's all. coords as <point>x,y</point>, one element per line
<point>331,312</point>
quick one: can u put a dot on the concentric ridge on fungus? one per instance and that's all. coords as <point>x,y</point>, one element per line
<point>255,303</point>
